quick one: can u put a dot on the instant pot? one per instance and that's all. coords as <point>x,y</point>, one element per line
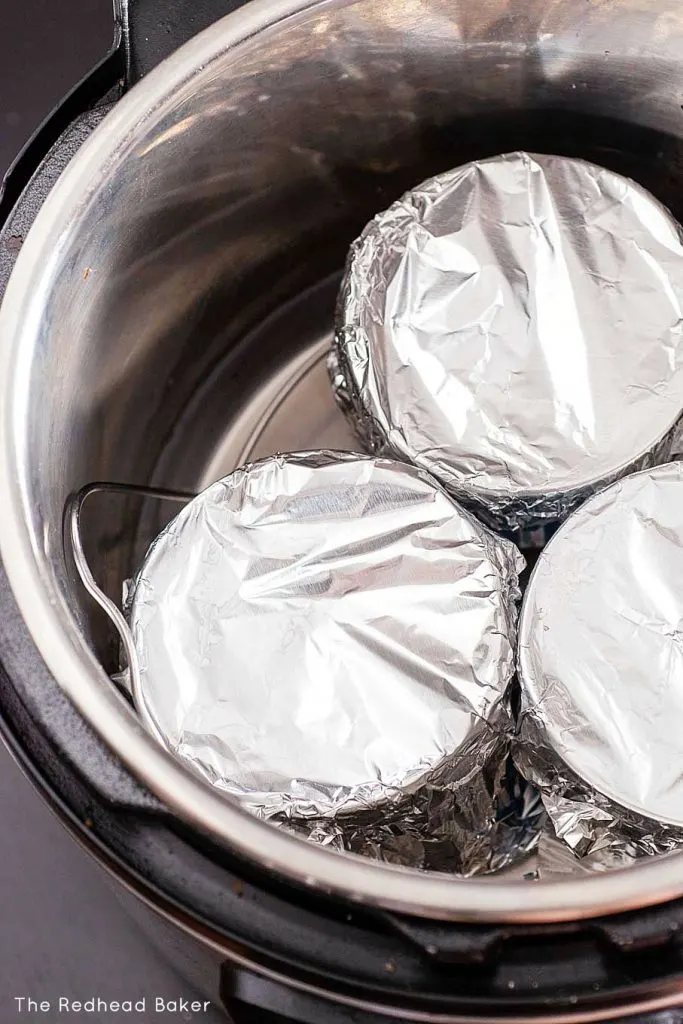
<point>172,242</point>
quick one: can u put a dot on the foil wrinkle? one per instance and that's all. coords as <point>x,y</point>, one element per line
<point>601,673</point>
<point>328,638</point>
<point>514,327</point>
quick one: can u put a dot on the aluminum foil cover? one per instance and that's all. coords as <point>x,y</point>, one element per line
<point>601,672</point>
<point>329,638</point>
<point>514,327</point>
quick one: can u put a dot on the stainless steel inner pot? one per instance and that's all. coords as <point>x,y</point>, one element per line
<point>171,308</point>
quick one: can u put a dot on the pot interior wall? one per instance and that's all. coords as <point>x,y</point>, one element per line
<point>194,291</point>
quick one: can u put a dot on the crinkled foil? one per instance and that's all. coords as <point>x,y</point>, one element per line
<point>492,823</point>
<point>514,327</point>
<point>601,673</point>
<point>330,639</point>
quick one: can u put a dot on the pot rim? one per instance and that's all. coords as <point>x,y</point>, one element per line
<point>84,681</point>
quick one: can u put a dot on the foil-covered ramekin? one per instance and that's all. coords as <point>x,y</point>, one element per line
<point>514,327</point>
<point>601,672</point>
<point>329,638</point>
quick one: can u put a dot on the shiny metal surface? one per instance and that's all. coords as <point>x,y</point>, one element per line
<point>327,636</point>
<point>226,186</point>
<point>513,326</point>
<point>73,518</point>
<point>600,670</point>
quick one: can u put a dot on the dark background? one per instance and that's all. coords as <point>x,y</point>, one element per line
<point>62,932</point>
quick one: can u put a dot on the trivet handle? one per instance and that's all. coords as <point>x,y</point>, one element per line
<point>72,513</point>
